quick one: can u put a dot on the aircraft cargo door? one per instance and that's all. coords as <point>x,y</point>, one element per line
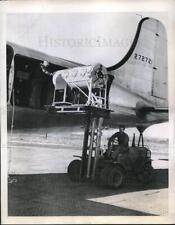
<point>9,57</point>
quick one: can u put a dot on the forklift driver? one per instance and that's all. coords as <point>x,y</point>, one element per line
<point>118,143</point>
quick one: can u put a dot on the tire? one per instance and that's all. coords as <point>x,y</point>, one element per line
<point>117,177</point>
<point>147,175</point>
<point>74,170</point>
<point>104,173</point>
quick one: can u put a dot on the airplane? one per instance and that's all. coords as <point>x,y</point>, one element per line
<point>138,83</point>
<point>132,92</point>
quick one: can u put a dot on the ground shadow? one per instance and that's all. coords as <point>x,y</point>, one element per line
<point>56,195</point>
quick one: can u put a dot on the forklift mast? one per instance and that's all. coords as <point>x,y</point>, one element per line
<point>84,90</point>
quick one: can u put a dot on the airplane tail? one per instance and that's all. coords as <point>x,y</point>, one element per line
<point>143,70</point>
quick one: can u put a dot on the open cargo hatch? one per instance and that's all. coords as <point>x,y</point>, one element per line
<point>77,88</point>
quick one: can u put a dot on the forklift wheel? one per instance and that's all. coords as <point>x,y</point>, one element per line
<point>74,170</point>
<point>117,177</point>
<point>147,175</point>
<point>104,175</point>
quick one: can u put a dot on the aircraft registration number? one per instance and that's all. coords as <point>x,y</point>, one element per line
<point>142,58</point>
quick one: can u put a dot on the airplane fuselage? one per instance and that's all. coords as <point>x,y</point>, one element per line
<point>122,104</point>
<point>137,94</point>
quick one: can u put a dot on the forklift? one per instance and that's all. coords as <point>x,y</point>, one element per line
<point>113,171</point>
<point>84,90</point>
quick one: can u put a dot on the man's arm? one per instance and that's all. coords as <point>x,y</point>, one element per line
<point>45,70</point>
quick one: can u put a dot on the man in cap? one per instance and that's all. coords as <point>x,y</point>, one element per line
<point>118,142</point>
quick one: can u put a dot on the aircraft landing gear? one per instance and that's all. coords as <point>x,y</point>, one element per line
<point>141,129</point>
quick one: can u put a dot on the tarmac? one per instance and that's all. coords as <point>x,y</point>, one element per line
<point>56,195</point>
<point>40,186</point>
